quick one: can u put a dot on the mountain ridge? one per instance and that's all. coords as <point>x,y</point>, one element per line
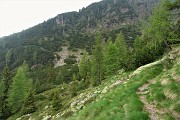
<point>74,28</point>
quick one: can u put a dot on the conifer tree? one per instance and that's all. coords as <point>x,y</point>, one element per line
<point>6,81</point>
<point>37,86</point>
<point>111,58</point>
<point>8,57</point>
<point>1,93</point>
<point>20,88</point>
<point>59,78</point>
<point>156,36</point>
<point>56,103</point>
<point>97,61</point>
<point>1,88</point>
<point>138,51</point>
<point>122,49</point>
<point>50,75</point>
<point>160,26</point>
<point>84,66</point>
<point>29,104</point>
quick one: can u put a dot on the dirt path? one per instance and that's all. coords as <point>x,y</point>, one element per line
<point>154,113</point>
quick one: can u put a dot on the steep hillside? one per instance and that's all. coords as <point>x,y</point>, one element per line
<point>37,45</point>
<point>117,77</point>
<point>150,92</point>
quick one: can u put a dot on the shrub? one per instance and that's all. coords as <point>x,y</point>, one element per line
<point>70,61</point>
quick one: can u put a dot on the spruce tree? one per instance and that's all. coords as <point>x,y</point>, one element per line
<point>1,88</point>
<point>56,103</point>
<point>29,104</point>
<point>138,52</point>
<point>1,93</point>
<point>84,66</point>
<point>59,78</point>
<point>8,57</point>
<point>111,59</point>
<point>20,88</point>
<point>160,25</point>
<point>122,49</point>
<point>97,61</point>
<point>37,86</point>
<point>50,75</point>
<point>155,37</point>
<point>5,109</point>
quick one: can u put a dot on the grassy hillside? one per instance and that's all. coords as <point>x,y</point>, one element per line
<point>150,92</point>
<point>126,102</point>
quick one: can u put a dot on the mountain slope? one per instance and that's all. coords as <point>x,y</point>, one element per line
<point>127,96</point>
<point>76,30</point>
<point>95,89</point>
<point>126,101</point>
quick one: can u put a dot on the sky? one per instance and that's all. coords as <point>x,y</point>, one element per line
<point>18,15</point>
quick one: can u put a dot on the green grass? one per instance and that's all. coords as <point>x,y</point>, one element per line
<point>121,103</point>
<point>158,96</point>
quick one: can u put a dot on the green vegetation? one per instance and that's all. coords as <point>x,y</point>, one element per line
<point>21,85</point>
<point>37,45</point>
<point>165,91</point>
<point>56,101</point>
<point>84,66</point>
<point>5,110</point>
<point>97,83</point>
<point>122,102</point>
<point>97,62</point>
<point>29,104</point>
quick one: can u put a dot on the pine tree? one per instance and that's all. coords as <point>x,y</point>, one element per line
<point>84,66</point>
<point>7,77</point>
<point>59,78</point>
<point>160,26</point>
<point>8,57</point>
<point>20,88</point>
<point>50,75</point>
<point>155,38</point>
<point>122,49</point>
<point>1,93</point>
<point>139,52</point>
<point>111,59</point>
<point>37,86</point>
<point>97,61</point>
<point>1,88</point>
<point>29,104</point>
<point>57,103</point>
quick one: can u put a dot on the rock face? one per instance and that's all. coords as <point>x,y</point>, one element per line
<point>107,15</point>
<point>143,8</point>
<point>64,54</point>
